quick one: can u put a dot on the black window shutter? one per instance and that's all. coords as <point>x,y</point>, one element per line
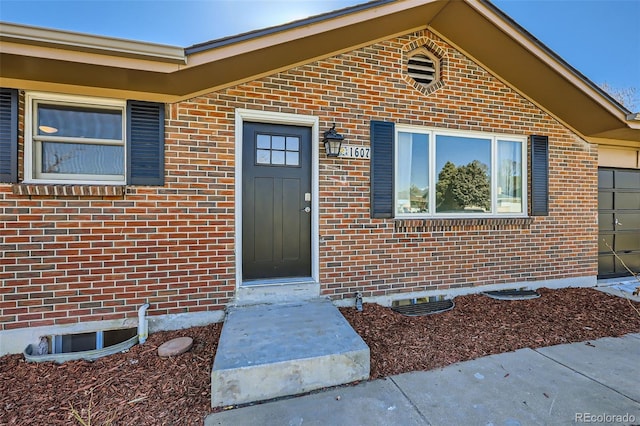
<point>145,143</point>
<point>539,175</point>
<point>8,135</point>
<point>382,152</point>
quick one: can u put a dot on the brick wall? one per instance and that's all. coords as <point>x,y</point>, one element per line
<point>68,258</point>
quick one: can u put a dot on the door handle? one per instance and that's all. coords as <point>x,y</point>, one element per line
<point>306,209</point>
<point>617,222</point>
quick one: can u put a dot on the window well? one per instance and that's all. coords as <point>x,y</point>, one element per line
<point>88,346</point>
<point>423,306</point>
<point>79,342</point>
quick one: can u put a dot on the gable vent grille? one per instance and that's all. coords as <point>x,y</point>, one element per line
<point>422,69</point>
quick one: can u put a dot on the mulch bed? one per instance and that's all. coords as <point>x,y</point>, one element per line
<point>138,387</point>
<point>132,388</point>
<point>480,326</point>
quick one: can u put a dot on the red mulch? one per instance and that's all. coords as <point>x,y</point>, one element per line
<point>480,326</point>
<point>139,388</point>
<point>132,388</point>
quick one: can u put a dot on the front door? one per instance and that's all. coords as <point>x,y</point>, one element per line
<point>618,222</point>
<point>276,201</point>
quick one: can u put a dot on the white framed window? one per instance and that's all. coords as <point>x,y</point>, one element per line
<point>459,174</point>
<point>74,139</point>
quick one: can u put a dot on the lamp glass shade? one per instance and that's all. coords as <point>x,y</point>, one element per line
<point>332,147</point>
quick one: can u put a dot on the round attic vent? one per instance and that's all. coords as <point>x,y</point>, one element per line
<point>422,69</point>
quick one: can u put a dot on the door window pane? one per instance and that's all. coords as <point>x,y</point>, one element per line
<point>263,156</point>
<point>293,159</point>
<point>263,141</point>
<point>277,157</point>
<point>277,142</point>
<point>293,144</point>
<point>278,150</point>
<point>463,180</point>
<point>412,175</point>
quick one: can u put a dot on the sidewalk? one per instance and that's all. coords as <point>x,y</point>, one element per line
<point>595,382</point>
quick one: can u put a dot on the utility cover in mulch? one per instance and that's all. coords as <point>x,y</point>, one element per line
<point>424,308</point>
<point>513,294</point>
<point>140,388</point>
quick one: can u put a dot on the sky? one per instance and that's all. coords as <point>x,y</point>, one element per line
<point>599,38</point>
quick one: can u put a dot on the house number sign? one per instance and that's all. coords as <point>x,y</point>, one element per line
<point>355,151</point>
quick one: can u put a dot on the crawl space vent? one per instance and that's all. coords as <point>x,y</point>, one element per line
<point>424,306</point>
<point>514,294</point>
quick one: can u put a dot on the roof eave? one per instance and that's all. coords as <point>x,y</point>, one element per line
<point>229,63</point>
<point>263,32</point>
<point>521,61</point>
<point>91,44</point>
<point>163,72</point>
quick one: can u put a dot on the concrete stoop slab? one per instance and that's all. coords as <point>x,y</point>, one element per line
<point>269,351</point>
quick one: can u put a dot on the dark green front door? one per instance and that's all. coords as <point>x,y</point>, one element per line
<point>276,201</point>
<point>618,221</point>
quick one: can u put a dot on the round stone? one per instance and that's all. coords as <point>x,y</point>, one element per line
<point>175,346</point>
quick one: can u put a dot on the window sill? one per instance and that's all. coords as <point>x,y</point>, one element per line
<point>57,190</point>
<point>462,224</point>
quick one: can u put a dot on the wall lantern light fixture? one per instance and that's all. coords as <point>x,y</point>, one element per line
<point>332,142</point>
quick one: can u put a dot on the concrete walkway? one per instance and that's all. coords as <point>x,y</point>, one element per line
<point>595,382</point>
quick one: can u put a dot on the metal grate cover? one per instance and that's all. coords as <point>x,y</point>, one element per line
<point>426,308</point>
<point>513,294</point>
<point>422,69</point>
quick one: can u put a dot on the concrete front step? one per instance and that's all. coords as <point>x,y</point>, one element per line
<point>269,351</point>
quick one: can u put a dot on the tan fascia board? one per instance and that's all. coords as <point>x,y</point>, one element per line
<point>71,89</point>
<point>621,134</point>
<point>589,138</point>
<point>251,43</point>
<point>553,61</point>
<point>172,80</point>
<point>46,52</point>
<point>502,80</point>
<point>625,130</point>
<point>304,31</point>
<point>253,77</point>
<point>110,47</point>
<point>613,142</point>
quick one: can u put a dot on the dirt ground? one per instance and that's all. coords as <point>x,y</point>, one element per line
<point>137,387</point>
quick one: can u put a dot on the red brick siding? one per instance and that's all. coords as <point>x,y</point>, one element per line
<point>80,258</point>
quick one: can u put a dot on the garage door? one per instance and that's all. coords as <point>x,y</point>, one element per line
<point>618,221</point>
